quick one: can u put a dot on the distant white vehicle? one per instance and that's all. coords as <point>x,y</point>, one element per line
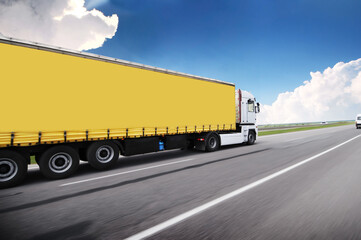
<point>358,121</point>
<point>324,122</point>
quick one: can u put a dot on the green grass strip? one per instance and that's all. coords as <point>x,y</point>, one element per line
<point>32,160</point>
<point>264,133</point>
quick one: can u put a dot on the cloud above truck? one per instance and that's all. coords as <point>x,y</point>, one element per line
<point>334,94</point>
<point>61,23</point>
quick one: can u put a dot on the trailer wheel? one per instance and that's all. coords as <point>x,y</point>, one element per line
<point>251,138</point>
<point>13,168</point>
<point>212,142</point>
<point>103,155</point>
<point>59,162</point>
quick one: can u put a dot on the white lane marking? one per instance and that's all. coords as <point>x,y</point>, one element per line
<point>121,173</point>
<point>153,230</point>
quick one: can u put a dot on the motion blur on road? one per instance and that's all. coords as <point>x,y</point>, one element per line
<point>320,199</point>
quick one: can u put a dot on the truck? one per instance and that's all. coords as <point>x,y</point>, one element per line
<point>60,106</point>
<point>358,121</point>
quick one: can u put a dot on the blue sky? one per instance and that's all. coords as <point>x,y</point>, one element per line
<point>265,47</point>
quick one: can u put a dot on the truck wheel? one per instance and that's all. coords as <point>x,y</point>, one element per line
<point>212,142</point>
<point>251,138</point>
<point>13,168</point>
<point>103,155</point>
<point>59,162</point>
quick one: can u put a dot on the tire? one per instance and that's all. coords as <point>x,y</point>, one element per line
<point>212,142</point>
<point>102,155</point>
<point>59,162</point>
<point>13,168</point>
<point>251,138</point>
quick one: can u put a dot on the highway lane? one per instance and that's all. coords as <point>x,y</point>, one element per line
<point>318,199</point>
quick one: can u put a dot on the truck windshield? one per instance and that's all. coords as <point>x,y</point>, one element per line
<point>359,118</point>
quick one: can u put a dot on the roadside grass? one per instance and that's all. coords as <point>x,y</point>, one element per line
<point>32,160</point>
<point>264,133</point>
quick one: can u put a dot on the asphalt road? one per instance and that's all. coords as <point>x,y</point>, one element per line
<point>303,185</point>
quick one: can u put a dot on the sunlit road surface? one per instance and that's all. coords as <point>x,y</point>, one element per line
<point>302,185</point>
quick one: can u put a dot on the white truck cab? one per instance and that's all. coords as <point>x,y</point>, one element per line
<point>246,109</point>
<point>358,121</point>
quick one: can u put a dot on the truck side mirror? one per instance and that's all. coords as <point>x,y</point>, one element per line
<point>258,109</point>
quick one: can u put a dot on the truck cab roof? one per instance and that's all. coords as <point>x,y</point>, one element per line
<point>246,94</point>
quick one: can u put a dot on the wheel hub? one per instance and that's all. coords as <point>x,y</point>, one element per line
<point>104,154</point>
<point>4,169</point>
<point>8,169</point>
<point>212,142</point>
<point>60,162</point>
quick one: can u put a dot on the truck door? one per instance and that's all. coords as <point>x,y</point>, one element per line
<point>251,113</point>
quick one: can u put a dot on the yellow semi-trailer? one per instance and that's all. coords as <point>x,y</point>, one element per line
<point>62,105</point>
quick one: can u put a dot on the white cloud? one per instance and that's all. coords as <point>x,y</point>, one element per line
<point>64,23</point>
<point>334,94</point>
